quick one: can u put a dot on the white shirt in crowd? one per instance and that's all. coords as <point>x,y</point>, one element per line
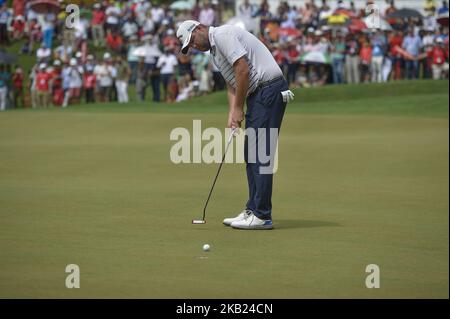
<point>229,43</point>
<point>157,14</point>
<point>43,53</point>
<point>74,78</point>
<point>141,10</point>
<point>129,29</point>
<point>105,74</point>
<point>167,63</point>
<point>112,15</point>
<point>206,17</point>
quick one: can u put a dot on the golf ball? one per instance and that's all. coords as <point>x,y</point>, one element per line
<point>206,247</point>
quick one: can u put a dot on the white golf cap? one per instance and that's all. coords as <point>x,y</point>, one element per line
<point>184,33</point>
<point>73,62</point>
<point>42,66</point>
<point>106,56</point>
<point>57,63</point>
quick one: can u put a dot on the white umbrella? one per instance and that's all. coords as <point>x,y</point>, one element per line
<point>146,51</point>
<point>182,5</point>
<point>315,57</point>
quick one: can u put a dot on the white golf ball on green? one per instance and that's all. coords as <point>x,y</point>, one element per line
<point>206,247</point>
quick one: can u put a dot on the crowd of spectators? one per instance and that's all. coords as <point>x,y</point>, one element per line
<point>123,46</point>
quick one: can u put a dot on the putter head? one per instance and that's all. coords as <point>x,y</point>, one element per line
<point>198,221</point>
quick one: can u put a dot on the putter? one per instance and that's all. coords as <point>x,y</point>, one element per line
<point>203,220</point>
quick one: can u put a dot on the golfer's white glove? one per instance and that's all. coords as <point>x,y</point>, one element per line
<point>288,96</point>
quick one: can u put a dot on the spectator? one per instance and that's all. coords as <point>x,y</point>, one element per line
<point>4,80</point>
<point>352,60</point>
<point>35,32</point>
<point>17,86</point>
<point>167,62</point>
<point>4,18</point>
<point>205,80</point>
<point>366,60</point>
<point>444,9</point>
<point>378,43</point>
<point>123,76</point>
<point>292,56</point>
<point>338,58</point>
<point>43,86</point>
<point>141,80</point>
<point>18,27</point>
<point>43,54</point>
<point>130,28</point>
<point>133,60</point>
<point>97,26</point>
<point>439,58</point>
<point>75,83</point>
<point>112,13</point>
<point>48,29</point>
<point>412,45</point>
<point>57,84</point>
<point>104,74</point>
<point>157,16</point>
<point>172,90</point>
<point>391,9</point>
<point>114,41</point>
<point>89,82</point>
<point>206,15</point>
<point>395,42</point>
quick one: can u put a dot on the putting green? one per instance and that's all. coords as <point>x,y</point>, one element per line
<point>362,179</point>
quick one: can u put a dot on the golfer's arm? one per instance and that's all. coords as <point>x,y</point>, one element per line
<point>241,72</point>
<point>231,96</point>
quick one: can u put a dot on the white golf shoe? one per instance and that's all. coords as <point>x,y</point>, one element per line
<point>252,222</point>
<point>241,216</point>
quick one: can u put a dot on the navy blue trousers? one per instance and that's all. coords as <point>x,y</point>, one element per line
<point>265,110</point>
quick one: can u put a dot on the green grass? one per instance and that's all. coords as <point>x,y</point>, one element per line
<point>363,178</point>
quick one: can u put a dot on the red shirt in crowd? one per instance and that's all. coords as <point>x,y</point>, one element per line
<point>293,54</point>
<point>89,81</point>
<point>114,42</point>
<point>366,54</point>
<point>56,78</point>
<point>17,80</point>
<point>98,17</point>
<point>18,26</point>
<point>438,55</point>
<point>42,81</point>
<point>394,42</point>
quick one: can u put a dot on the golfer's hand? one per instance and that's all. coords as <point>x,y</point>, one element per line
<point>235,117</point>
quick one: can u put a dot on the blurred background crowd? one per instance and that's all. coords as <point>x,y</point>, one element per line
<point>127,49</point>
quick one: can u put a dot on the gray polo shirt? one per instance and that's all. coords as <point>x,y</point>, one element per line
<point>229,43</point>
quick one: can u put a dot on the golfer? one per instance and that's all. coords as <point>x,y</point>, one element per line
<point>252,76</point>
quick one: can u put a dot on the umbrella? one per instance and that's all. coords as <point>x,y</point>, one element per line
<point>345,12</point>
<point>377,24</point>
<point>146,51</point>
<point>285,32</point>
<point>442,19</point>
<point>336,20</point>
<point>44,6</point>
<point>7,58</point>
<point>357,25</point>
<point>405,14</point>
<point>315,57</point>
<point>182,5</point>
